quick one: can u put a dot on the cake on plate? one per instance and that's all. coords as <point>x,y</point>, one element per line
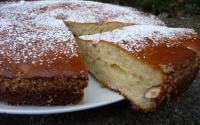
<point>47,48</point>
<point>40,62</point>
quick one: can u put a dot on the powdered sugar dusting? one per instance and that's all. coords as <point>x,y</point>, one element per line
<point>46,21</point>
<point>85,12</point>
<point>22,43</point>
<point>30,32</point>
<point>136,38</point>
<point>4,24</point>
<point>25,36</point>
<point>94,12</point>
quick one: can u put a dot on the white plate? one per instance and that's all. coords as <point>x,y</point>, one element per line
<point>95,96</point>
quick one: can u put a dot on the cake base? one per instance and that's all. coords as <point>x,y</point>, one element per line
<point>42,91</point>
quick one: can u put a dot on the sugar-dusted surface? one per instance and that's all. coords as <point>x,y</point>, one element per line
<point>25,23</point>
<point>161,47</point>
<point>94,12</point>
<point>33,35</point>
<point>137,38</point>
<point>86,12</point>
<point>25,35</point>
<point>32,45</point>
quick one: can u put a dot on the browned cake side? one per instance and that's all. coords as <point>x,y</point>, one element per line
<point>179,68</point>
<point>42,91</point>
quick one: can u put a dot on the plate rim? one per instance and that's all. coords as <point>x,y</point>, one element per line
<point>60,110</point>
<point>18,110</point>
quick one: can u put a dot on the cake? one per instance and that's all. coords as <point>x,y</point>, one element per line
<point>47,48</point>
<point>146,64</point>
<point>40,62</point>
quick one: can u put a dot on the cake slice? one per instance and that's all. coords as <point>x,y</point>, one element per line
<point>146,64</point>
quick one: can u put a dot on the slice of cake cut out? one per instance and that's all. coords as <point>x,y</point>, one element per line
<point>146,64</point>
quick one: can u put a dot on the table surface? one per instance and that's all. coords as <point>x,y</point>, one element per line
<point>186,111</point>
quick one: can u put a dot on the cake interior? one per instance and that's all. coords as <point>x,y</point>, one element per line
<point>79,29</point>
<point>127,75</point>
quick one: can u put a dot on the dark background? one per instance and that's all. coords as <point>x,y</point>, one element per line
<point>184,112</point>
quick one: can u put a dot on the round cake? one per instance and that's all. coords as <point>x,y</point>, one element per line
<point>44,44</point>
<point>40,62</point>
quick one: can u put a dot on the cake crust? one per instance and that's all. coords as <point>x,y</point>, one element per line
<point>42,91</point>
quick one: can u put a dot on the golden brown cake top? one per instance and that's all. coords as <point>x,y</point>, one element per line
<point>34,51</point>
<point>31,48</point>
<point>156,45</point>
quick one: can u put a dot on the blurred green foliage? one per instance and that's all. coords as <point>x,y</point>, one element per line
<point>170,7</point>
